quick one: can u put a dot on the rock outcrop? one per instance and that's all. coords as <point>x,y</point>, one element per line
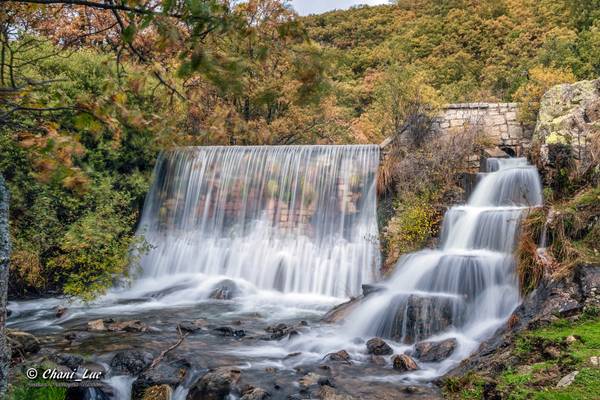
<point>552,299</point>
<point>570,114</point>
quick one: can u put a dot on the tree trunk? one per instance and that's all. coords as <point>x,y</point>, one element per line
<point>4,257</point>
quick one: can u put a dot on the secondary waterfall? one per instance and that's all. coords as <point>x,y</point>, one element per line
<point>464,289</point>
<point>288,218</point>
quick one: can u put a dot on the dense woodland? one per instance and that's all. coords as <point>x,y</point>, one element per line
<point>90,95</point>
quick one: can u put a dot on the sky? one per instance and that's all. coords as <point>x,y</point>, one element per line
<point>305,7</point>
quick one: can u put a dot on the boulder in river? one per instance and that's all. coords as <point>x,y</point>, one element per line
<point>163,374</point>
<point>329,393</point>
<point>22,343</point>
<point>160,392</point>
<point>131,362</point>
<point>96,325</point>
<point>413,317</point>
<point>280,331</point>
<point>216,384</point>
<point>60,311</point>
<point>192,326</point>
<point>109,324</point>
<point>435,351</point>
<point>225,290</point>
<point>341,356</point>
<point>404,363</point>
<point>379,347</point>
<point>127,326</point>
<point>368,289</point>
<point>254,393</point>
<point>228,331</point>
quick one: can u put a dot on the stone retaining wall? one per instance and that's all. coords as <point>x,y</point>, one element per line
<point>496,120</point>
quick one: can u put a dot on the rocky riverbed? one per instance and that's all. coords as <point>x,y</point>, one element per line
<point>209,350</point>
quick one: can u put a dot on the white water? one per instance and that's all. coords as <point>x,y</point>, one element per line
<point>466,289</point>
<point>289,218</point>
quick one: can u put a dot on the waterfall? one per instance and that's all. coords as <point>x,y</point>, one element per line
<point>468,286</point>
<point>289,218</point>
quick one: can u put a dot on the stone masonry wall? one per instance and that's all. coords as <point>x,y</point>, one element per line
<point>497,120</point>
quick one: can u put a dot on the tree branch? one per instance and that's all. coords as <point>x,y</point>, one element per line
<point>93,4</point>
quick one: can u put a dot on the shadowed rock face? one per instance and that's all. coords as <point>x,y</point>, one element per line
<point>411,318</point>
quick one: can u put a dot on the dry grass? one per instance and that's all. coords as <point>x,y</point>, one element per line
<point>573,236</point>
<point>530,265</point>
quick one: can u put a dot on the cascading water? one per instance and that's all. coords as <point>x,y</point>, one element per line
<point>288,218</point>
<point>464,290</point>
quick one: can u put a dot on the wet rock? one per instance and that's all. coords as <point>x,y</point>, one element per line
<point>378,347</point>
<point>279,331</point>
<point>254,393</point>
<point>414,317</point>
<point>131,362</point>
<point>96,325</point>
<point>228,331</point>
<point>404,363</point>
<point>109,324</point>
<point>161,392</point>
<point>435,351</point>
<point>325,381</point>
<point>192,326</point>
<point>329,393</point>
<point>127,326</point>
<point>567,380</point>
<point>215,385</point>
<point>60,311</point>
<point>368,289</point>
<point>162,374</point>
<point>341,311</point>
<point>378,360</point>
<point>225,290</point>
<point>72,361</point>
<point>309,379</point>
<point>340,356</point>
<point>292,355</point>
<point>22,343</point>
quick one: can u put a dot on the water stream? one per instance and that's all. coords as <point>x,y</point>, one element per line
<point>466,289</point>
<point>254,236</point>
